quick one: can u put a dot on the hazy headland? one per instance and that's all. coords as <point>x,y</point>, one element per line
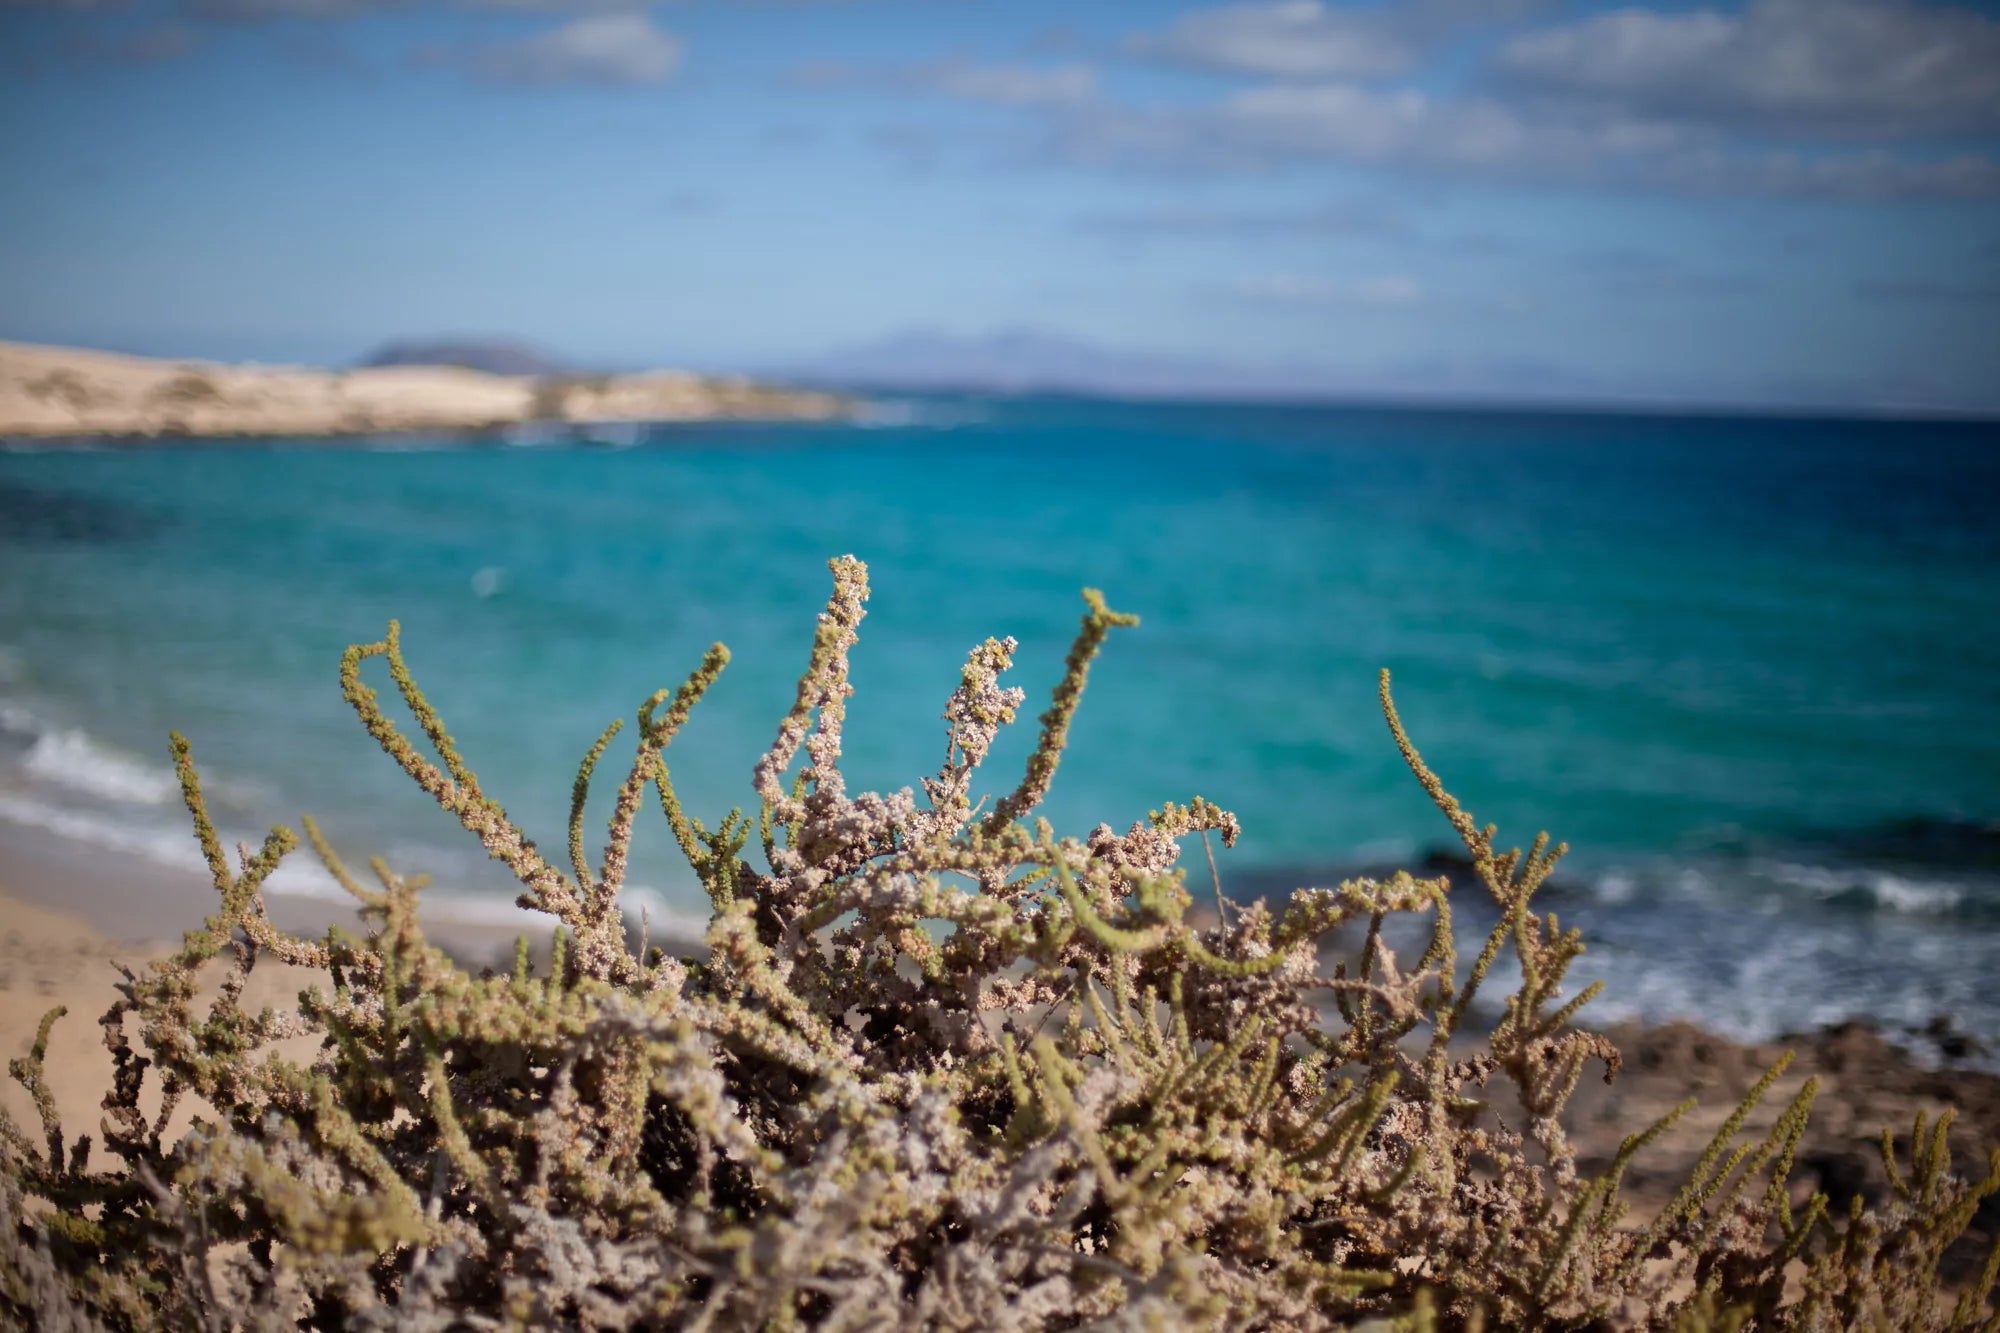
<point>66,391</point>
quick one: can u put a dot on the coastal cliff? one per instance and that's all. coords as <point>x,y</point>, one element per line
<point>64,391</point>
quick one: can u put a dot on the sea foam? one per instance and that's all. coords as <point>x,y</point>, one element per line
<point>72,759</point>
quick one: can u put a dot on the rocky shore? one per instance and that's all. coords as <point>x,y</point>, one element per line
<point>1868,1083</point>
<point>71,392</point>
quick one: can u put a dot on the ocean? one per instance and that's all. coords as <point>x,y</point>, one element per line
<point>1748,668</point>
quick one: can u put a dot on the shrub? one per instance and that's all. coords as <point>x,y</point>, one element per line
<point>187,389</point>
<point>939,1068</point>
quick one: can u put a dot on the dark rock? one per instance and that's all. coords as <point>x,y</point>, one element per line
<point>1842,1173</point>
<point>1943,1033</point>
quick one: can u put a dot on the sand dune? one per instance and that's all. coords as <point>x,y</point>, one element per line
<point>63,391</point>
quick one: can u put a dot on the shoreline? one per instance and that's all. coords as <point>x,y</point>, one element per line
<point>71,914</point>
<point>68,394</point>
<point>135,903</point>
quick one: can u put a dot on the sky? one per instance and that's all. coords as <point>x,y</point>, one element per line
<point>1787,203</point>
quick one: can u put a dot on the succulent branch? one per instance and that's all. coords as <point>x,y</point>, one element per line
<point>930,1071</point>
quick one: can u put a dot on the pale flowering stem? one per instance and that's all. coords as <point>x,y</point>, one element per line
<point>579,794</point>
<point>1098,622</point>
<point>823,686</point>
<point>426,716</point>
<point>548,889</point>
<point>654,736</point>
<point>1215,877</point>
<point>976,710</point>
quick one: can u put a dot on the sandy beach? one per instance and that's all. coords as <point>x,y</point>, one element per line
<point>69,919</point>
<point>65,391</point>
<point>50,958</point>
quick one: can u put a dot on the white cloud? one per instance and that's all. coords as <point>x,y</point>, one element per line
<point>1782,97</point>
<point>1280,124</point>
<point>611,50</point>
<point>1310,39</point>
<point>1287,39</point>
<point>1842,68</point>
<point>1345,121</point>
<point>1283,125</point>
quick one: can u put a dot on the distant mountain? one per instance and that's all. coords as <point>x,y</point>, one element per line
<point>1029,361</point>
<point>1023,361</point>
<point>494,356</point>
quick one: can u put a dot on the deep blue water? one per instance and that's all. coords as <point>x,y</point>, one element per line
<point>1750,669</point>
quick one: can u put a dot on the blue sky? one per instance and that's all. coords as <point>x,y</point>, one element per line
<point>1793,202</point>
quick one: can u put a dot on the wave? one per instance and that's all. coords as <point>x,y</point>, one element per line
<point>61,780</point>
<point>1865,887</point>
<point>43,747</point>
<point>1962,885</point>
<point>72,759</point>
<point>301,877</point>
<point>1751,946</point>
<point>18,719</point>
<point>161,843</point>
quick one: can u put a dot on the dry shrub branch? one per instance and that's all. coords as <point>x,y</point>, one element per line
<point>939,1068</point>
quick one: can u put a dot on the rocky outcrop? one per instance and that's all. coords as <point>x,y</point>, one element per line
<point>1867,1083</point>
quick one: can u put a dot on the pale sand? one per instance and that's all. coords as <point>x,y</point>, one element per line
<point>69,913</point>
<point>65,391</point>
<point>49,958</point>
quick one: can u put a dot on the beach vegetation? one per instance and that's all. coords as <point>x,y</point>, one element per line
<point>187,389</point>
<point>937,1066</point>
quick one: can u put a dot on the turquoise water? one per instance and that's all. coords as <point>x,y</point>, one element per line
<point>1750,669</point>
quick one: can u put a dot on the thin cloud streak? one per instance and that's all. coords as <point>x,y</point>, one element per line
<point>1308,39</point>
<point>604,50</point>
<point>1293,126</point>
<point>1829,69</point>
